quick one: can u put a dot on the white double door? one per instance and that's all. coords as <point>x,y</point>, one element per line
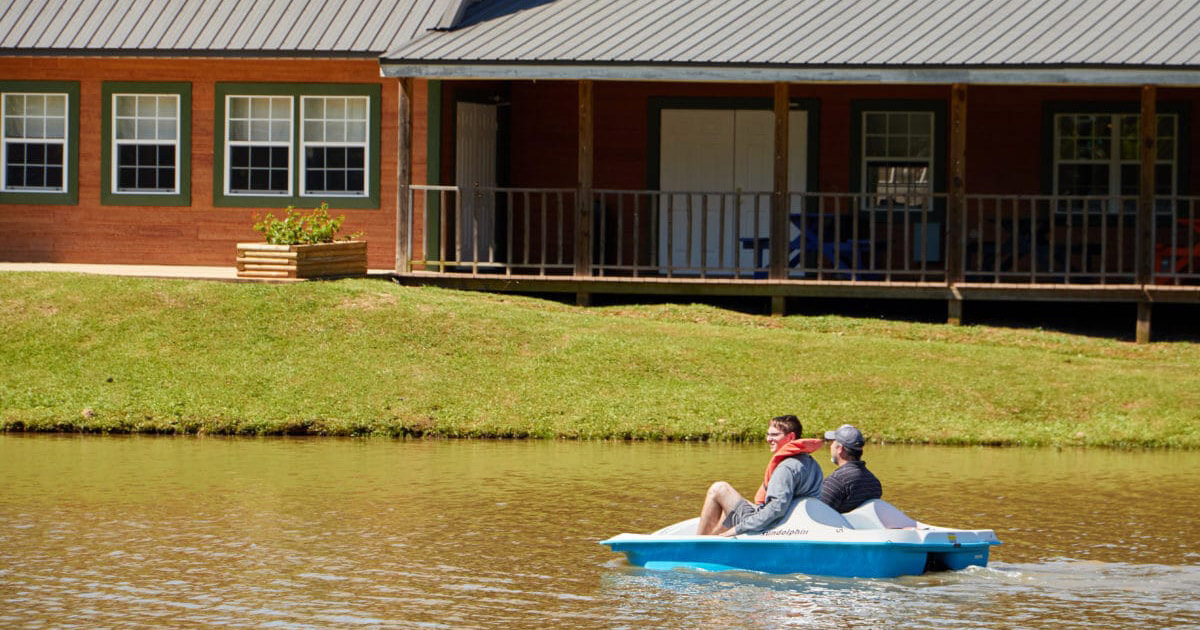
<point>721,152</point>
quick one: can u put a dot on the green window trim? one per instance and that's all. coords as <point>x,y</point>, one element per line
<point>183,156</point>
<point>373,91</point>
<point>71,195</point>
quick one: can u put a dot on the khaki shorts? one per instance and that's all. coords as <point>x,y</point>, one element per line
<point>740,512</point>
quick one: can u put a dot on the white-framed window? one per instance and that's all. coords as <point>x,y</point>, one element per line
<point>34,138</point>
<point>897,159</point>
<point>1097,154</point>
<point>334,141</point>
<point>258,145</point>
<point>145,143</point>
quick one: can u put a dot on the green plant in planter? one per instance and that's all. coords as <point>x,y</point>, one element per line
<point>298,229</point>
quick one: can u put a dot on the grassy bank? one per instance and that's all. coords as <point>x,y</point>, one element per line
<point>361,357</point>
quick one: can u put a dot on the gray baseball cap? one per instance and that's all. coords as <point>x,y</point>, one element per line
<point>848,436</point>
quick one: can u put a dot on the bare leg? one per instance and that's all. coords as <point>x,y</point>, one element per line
<point>719,501</point>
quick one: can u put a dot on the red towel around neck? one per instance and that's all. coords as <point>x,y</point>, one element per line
<point>791,449</point>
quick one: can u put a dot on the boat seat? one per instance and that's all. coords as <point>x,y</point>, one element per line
<point>806,513</point>
<point>878,514</point>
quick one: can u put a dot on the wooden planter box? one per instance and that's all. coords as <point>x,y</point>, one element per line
<point>320,260</point>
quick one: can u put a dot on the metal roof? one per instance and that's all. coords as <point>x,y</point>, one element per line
<point>219,27</point>
<point>640,38</point>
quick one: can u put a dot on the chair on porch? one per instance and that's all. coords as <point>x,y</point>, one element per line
<point>1170,261</point>
<point>845,255</point>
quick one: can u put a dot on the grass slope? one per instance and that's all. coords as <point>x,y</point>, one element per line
<point>364,357</point>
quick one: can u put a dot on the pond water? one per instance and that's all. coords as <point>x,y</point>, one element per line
<point>139,532</point>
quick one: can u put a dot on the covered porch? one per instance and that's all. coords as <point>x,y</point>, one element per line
<point>951,182</point>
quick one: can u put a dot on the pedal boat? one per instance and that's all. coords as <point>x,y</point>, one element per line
<point>876,540</point>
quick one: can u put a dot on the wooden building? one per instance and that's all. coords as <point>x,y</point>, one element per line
<point>937,149</point>
<point>154,132</point>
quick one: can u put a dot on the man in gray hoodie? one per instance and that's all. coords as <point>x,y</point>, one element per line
<point>791,475</point>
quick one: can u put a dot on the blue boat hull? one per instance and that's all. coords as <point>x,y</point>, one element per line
<point>865,560</point>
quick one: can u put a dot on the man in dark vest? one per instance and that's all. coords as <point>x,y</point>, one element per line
<point>851,484</point>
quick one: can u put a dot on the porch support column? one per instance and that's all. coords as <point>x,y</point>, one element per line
<point>1148,129</point>
<point>404,174</point>
<point>583,193</point>
<point>779,197</point>
<point>957,206</point>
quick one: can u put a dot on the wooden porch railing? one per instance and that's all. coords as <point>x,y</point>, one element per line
<point>834,237</point>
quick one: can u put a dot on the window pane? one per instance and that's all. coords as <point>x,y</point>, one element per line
<point>357,109</point>
<point>876,146</point>
<point>239,107</point>
<point>279,180</point>
<point>335,108</point>
<point>147,106</point>
<point>1083,179</point>
<point>14,127</point>
<point>1164,180</point>
<point>239,156</point>
<point>281,131</point>
<point>356,182</point>
<point>313,131</point>
<point>1165,149</point>
<point>356,132</point>
<point>260,130</point>
<point>35,105</point>
<point>1066,126</point>
<point>239,130</point>
<point>14,104</point>
<point>335,131</point>
<point>260,108</point>
<point>314,108</point>
<point>897,185</point>
<point>35,127</point>
<point>354,157</point>
<point>876,123</point>
<point>56,105</point>
<point>1166,125</point>
<point>35,176</point>
<point>146,129</point>
<point>126,178</point>
<point>281,108</point>
<point>1131,180</point>
<point>166,129</point>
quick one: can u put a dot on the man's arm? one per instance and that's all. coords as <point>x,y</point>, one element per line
<point>779,498</point>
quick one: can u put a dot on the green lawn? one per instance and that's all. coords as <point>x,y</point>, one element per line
<point>366,357</point>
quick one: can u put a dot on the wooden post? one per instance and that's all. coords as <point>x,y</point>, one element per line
<point>779,197</point>
<point>954,311</point>
<point>583,193</point>
<point>404,174</point>
<point>1143,321</point>
<point>1147,131</point>
<point>778,307</point>
<point>956,208</point>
